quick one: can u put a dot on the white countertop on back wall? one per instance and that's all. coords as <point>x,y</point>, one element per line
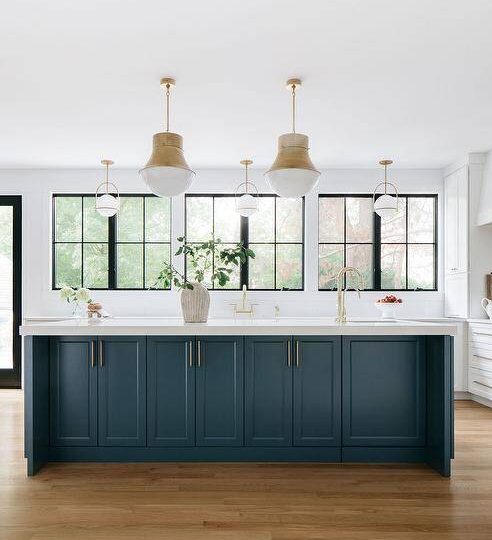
<point>282,326</point>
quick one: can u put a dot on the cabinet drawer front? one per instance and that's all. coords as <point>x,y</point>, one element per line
<point>481,362</point>
<point>480,383</point>
<point>478,349</point>
<point>480,334</point>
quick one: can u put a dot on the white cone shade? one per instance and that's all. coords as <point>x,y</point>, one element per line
<point>167,181</point>
<point>107,205</point>
<point>246,205</point>
<point>292,183</point>
<point>386,206</point>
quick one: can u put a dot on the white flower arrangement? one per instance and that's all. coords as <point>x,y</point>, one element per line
<point>75,295</point>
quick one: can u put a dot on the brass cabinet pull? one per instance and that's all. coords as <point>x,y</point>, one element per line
<point>93,353</point>
<point>199,353</point>
<point>289,354</point>
<point>101,354</point>
<point>190,353</point>
<point>483,384</point>
<point>297,353</point>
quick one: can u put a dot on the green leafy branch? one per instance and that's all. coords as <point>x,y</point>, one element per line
<point>200,259</point>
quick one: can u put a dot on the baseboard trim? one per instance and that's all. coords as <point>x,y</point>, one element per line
<point>462,396</point>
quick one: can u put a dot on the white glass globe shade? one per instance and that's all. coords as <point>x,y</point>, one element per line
<point>292,183</point>
<point>167,181</point>
<point>107,205</point>
<point>386,206</point>
<point>246,205</point>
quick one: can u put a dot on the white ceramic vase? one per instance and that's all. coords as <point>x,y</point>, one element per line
<point>195,303</point>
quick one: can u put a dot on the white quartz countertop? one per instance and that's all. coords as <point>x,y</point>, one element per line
<point>151,326</point>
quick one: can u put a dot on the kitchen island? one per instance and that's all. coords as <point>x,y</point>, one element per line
<point>156,389</point>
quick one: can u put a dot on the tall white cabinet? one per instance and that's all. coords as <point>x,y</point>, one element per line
<point>456,201</point>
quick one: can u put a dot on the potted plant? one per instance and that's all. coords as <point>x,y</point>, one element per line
<point>76,297</point>
<point>204,259</point>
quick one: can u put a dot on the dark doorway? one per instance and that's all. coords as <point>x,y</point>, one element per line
<point>10,290</point>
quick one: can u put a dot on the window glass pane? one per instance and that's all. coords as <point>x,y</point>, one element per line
<point>359,219</point>
<point>155,256</point>
<point>201,265</point>
<point>234,277</point>
<point>262,223</point>
<point>95,265</point>
<point>227,220</point>
<point>393,229</point>
<point>289,220</point>
<point>130,219</point>
<point>129,264</point>
<point>420,220</point>
<point>199,212</point>
<point>157,219</point>
<point>289,266</point>
<point>330,263</point>
<point>68,265</point>
<point>360,256</point>
<point>95,225</point>
<point>331,219</point>
<point>421,266</point>
<point>393,266</point>
<point>68,219</point>
<point>261,268</point>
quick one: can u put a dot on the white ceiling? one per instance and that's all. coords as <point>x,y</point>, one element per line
<point>79,81</point>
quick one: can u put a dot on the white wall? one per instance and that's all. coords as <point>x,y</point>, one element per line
<point>37,186</point>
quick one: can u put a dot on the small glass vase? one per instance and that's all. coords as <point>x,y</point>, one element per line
<point>77,310</point>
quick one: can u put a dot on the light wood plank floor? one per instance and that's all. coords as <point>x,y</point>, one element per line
<point>247,501</point>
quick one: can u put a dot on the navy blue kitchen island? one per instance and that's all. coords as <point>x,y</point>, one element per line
<point>196,397</point>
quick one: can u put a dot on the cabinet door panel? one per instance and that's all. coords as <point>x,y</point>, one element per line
<point>219,391</point>
<point>383,391</point>
<point>171,392</point>
<point>121,389</point>
<point>317,391</point>
<point>268,392</point>
<point>73,392</point>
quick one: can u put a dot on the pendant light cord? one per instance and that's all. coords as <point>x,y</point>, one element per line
<point>168,93</point>
<point>246,178</point>
<point>293,108</point>
<point>107,178</point>
<point>385,178</point>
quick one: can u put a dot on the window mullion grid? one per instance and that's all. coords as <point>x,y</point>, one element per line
<point>406,243</point>
<point>82,242</point>
<point>244,268</point>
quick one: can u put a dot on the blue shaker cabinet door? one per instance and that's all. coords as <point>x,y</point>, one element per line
<point>268,391</point>
<point>170,391</point>
<point>384,391</point>
<point>121,389</point>
<point>317,391</point>
<point>219,391</point>
<point>73,391</point>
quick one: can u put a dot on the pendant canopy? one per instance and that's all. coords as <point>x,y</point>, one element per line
<point>293,174</point>
<point>166,173</point>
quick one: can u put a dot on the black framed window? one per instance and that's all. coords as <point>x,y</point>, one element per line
<point>275,233</point>
<point>125,251</point>
<point>394,254</point>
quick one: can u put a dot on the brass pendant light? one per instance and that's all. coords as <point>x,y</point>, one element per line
<point>385,205</point>
<point>247,203</point>
<point>293,174</point>
<point>107,204</point>
<point>166,173</point>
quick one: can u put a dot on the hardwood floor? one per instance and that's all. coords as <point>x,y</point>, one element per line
<point>247,501</point>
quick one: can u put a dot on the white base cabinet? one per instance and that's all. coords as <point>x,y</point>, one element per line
<point>480,359</point>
